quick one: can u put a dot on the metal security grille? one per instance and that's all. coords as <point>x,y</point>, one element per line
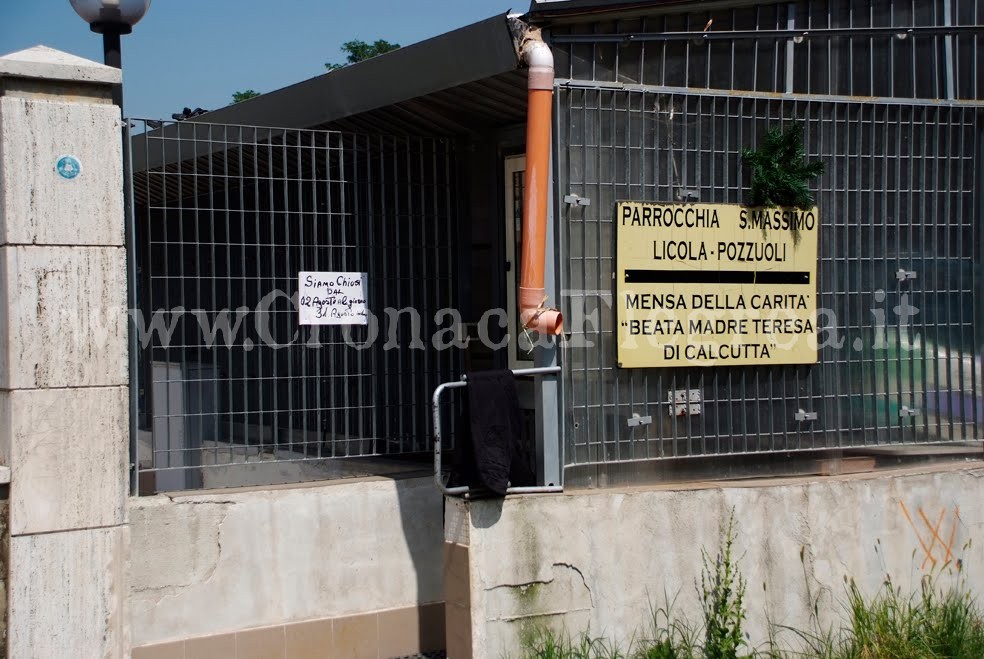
<point>927,49</point>
<point>232,390</point>
<point>900,245</point>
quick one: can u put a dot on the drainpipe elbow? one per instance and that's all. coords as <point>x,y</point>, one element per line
<point>539,58</point>
<point>535,317</point>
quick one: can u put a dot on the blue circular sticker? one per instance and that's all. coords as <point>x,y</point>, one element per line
<point>68,167</point>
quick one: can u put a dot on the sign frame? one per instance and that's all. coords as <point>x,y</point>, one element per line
<point>804,318</point>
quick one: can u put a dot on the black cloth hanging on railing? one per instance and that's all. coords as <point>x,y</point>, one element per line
<point>490,445</point>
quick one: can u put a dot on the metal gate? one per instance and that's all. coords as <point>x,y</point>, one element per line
<point>900,244</point>
<point>230,388</point>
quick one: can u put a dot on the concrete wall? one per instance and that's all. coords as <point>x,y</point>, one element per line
<point>212,563</point>
<point>599,558</point>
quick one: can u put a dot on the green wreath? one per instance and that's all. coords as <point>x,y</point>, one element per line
<point>780,172</point>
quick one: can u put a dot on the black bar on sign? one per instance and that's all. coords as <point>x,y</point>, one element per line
<point>715,277</point>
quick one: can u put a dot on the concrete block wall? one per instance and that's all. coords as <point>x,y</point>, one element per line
<point>597,559</point>
<point>346,569</point>
<point>63,356</point>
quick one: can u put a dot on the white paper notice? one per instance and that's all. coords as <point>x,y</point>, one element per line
<point>332,298</point>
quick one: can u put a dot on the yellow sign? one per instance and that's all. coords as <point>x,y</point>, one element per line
<point>715,285</point>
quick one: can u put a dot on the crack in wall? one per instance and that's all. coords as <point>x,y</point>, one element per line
<point>525,584</point>
<point>188,501</point>
<point>536,598</point>
<point>583,580</point>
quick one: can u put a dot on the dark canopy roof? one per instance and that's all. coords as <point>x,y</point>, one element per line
<point>471,53</point>
<point>456,83</point>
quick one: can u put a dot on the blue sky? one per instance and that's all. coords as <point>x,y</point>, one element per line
<point>197,52</point>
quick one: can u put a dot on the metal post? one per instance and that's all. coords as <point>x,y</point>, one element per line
<point>790,48</point>
<point>130,237</point>
<point>113,56</point>
<point>949,88</point>
<point>549,408</point>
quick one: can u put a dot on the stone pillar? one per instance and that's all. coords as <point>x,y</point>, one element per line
<point>63,355</point>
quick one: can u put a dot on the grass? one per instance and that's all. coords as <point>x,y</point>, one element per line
<point>933,623</point>
<point>543,643</point>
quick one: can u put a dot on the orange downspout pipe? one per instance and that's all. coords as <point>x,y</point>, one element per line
<point>533,313</point>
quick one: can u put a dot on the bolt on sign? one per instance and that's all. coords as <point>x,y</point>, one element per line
<point>715,285</point>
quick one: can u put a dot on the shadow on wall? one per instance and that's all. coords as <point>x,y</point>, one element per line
<point>421,514</point>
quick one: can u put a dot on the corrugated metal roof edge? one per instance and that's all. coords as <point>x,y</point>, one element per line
<point>541,10</point>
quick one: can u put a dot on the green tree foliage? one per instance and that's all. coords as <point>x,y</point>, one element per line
<point>358,50</point>
<point>245,95</point>
<point>780,173</point>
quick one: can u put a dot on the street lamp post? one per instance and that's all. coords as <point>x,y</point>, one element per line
<point>112,19</point>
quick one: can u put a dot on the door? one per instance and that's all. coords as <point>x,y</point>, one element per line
<point>520,346</point>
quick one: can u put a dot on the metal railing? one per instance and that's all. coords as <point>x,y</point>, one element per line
<point>464,490</point>
<point>665,121</point>
<point>233,389</point>
<point>927,49</point>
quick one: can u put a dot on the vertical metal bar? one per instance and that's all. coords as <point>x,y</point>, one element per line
<point>387,250</point>
<point>720,402</point>
<point>852,90</point>
<point>378,406</point>
<point>945,258</point>
<point>900,127</point>
<point>411,216</point>
<point>195,419</point>
<point>878,225</point>
<point>975,119</point>
<point>914,61</point>
<point>547,391</point>
<point>635,451</point>
<point>347,358</point>
<point>885,192</point>
<point>790,46</point>
<point>955,145</point>
<point>333,166</point>
<point>181,277</point>
<point>855,186</point>
<point>277,217</point>
<point>143,270</point>
<point>133,348</point>
<point>948,77</point>
<point>451,228</point>
<point>213,224</point>
<point>362,229</point>
<point>243,279</point>
<point>258,413</point>
<point>916,212</point>
<point>281,321</point>
<point>871,51</point>
<point>593,453</point>
<point>164,220</point>
<point>832,86</point>
<point>841,181</point>
<point>892,47</point>
<point>325,238</point>
<point>305,248</point>
<point>227,182</point>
